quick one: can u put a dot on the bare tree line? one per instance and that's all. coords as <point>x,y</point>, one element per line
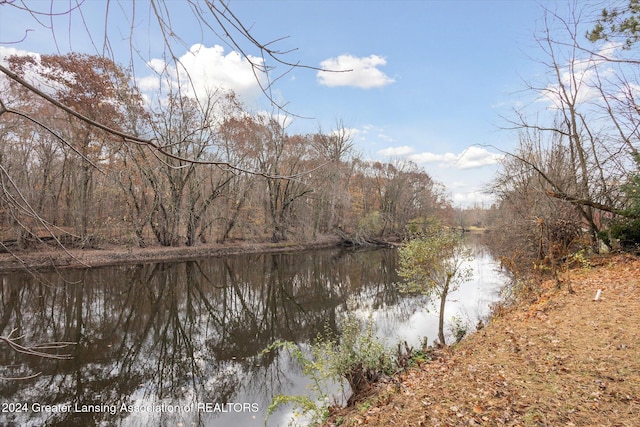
<point>567,182</point>
<point>214,171</point>
<point>86,159</point>
<point>571,166</point>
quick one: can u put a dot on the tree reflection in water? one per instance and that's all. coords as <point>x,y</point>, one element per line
<point>184,333</point>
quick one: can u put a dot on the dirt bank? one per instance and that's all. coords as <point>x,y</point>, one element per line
<point>554,360</point>
<point>50,258</point>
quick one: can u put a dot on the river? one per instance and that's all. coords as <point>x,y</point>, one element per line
<point>179,343</point>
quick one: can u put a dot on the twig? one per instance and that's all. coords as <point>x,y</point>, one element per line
<point>37,349</point>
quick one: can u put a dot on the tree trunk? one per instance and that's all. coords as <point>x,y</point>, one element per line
<point>443,300</point>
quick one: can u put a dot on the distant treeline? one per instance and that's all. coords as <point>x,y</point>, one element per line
<point>210,171</point>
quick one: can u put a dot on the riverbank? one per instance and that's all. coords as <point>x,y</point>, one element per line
<point>553,359</point>
<point>50,258</point>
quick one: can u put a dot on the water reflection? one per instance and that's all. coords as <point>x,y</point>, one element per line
<point>178,343</point>
<point>469,304</point>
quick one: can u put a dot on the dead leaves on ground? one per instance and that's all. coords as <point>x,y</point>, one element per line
<point>563,360</point>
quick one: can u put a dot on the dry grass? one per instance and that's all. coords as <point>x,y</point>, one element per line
<point>564,360</point>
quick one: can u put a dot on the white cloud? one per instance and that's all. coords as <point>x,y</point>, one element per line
<point>576,84</point>
<point>464,188</point>
<point>6,52</point>
<point>580,78</point>
<point>472,198</point>
<point>157,65</point>
<point>476,157</point>
<point>396,151</point>
<point>349,133</point>
<point>348,70</point>
<point>472,157</point>
<point>148,83</point>
<point>433,158</point>
<point>203,70</point>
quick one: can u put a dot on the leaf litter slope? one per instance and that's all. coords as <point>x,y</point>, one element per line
<point>556,360</point>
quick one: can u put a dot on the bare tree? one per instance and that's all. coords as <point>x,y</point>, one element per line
<point>282,155</point>
<point>335,148</point>
<point>585,123</point>
<point>215,19</point>
<point>92,129</point>
<point>535,229</point>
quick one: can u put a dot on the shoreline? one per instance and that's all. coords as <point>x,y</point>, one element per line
<point>552,358</point>
<point>57,258</point>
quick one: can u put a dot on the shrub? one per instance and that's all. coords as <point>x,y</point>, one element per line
<point>356,356</point>
<point>434,264</point>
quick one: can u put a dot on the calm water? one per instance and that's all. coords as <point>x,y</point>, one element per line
<point>178,344</point>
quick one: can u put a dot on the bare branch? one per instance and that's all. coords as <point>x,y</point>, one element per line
<point>39,350</point>
<point>126,137</point>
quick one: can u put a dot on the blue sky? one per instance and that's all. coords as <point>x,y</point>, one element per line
<point>431,79</point>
